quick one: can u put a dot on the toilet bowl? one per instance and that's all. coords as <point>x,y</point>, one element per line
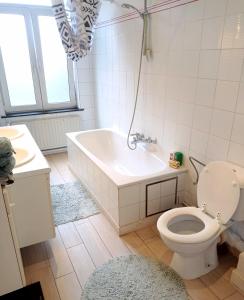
<point>192,233</point>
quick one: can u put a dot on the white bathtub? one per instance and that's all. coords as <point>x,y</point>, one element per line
<point>121,180</point>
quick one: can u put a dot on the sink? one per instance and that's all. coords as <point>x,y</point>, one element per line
<point>22,156</point>
<point>10,132</point>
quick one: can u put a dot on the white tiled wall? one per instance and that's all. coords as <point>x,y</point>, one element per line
<point>192,91</point>
<point>85,91</point>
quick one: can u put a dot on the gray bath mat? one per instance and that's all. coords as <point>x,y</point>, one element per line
<point>71,202</point>
<point>134,278</point>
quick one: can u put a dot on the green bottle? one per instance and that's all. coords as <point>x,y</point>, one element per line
<point>179,157</point>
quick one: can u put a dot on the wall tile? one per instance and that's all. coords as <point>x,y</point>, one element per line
<point>238,129</point>
<point>192,35</point>
<point>205,92</point>
<point>222,123</point>
<point>153,206</point>
<point>129,214</point>
<point>226,95</point>
<point>186,89</point>
<point>167,202</point>
<point>236,154</point>
<point>182,136</point>
<point>202,118</point>
<point>153,191</point>
<point>230,66</point>
<point>185,114</point>
<point>172,110</point>
<point>235,6</point>
<point>85,89</point>
<point>190,63</point>
<point>167,188</point>
<point>240,101</point>
<point>198,142</point>
<point>212,33</point>
<point>215,8</point>
<point>169,135</point>
<point>233,36</point>
<point>129,195</point>
<point>217,148</point>
<point>194,11</point>
<point>209,63</point>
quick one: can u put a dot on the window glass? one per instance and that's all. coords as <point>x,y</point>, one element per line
<point>54,61</point>
<point>15,54</point>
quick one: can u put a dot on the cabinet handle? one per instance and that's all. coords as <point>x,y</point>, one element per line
<point>9,205</point>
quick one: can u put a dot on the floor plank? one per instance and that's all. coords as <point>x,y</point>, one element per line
<point>157,247</point>
<point>146,233</point>
<point>218,285</point>
<point>69,287</point>
<point>82,263</point>
<point>60,163</point>
<point>198,291</point>
<point>55,176</point>
<point>136,245</point>
<point>93,243</point>
<point>45,276</point>
<point>69,235</point>
<point>109,236</point>
<point>236,296</point>
<point>58,257</point>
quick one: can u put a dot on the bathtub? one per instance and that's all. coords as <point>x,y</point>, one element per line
<point>131,187</point>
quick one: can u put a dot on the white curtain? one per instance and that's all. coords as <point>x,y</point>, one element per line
<point>76,20</point>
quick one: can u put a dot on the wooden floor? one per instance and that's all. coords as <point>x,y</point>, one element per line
<point>63,264</point>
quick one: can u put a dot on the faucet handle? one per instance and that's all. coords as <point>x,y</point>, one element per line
<point>135,134</point>
<point>149,140</point>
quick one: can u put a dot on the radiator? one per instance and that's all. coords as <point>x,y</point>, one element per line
<point>49,133</point>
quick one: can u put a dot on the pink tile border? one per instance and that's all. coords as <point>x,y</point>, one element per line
<point>163,5</point>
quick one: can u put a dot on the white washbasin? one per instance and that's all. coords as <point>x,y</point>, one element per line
<point>22,156</point>
<point>10,132</point>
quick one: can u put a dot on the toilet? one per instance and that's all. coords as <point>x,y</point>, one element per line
<point>193,233</point>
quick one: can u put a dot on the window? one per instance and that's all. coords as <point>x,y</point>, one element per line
<point>35,74</point>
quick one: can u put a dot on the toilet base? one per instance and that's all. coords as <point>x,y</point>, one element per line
<point>195,265</point>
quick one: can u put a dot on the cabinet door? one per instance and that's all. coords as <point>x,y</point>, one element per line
<point>10,274</point>
<point>33,209</point>
<point>9,204</point>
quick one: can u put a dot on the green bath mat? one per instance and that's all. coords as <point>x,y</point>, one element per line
<point>71,202</point>
<point>134,278</point>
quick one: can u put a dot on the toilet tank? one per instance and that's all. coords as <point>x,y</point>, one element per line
<point>239,214</point>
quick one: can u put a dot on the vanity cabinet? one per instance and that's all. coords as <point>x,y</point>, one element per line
<point>11,268</point>
<point>32,209</point>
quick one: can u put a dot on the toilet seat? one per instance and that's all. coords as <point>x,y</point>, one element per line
<point>218,190</point>
<point>211,226</point>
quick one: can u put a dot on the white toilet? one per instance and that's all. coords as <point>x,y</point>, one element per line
<point>193,232</point>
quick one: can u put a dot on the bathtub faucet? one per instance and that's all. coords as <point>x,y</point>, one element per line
<point>140,138</point>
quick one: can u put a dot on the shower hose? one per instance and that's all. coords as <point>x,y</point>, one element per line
<point>143,52</point>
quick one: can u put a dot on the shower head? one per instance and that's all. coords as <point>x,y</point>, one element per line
<point>129,6</point>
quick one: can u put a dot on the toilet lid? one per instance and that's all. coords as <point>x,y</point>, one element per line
<point>218,188</point>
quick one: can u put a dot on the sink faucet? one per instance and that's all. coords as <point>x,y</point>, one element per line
<point>140,138</point>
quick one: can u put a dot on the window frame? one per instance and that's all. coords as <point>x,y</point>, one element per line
<point>31,14</point>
